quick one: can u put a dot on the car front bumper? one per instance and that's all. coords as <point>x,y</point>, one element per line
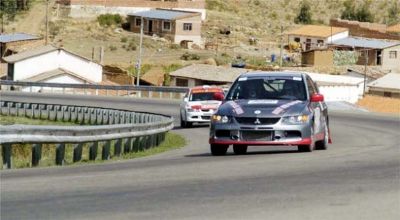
<point>278,134</point>
<point>198,116</point>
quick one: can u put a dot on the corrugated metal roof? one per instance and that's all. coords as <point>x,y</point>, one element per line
<point>7,38</point>
<point>389,81</point>
<point>30,53</point>
<point>317,31</point>
<point>365,43</point>
<point>164,14</point>
<point>209,73</point>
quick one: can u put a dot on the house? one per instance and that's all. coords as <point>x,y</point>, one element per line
<point>317,57</point>
<point>316,36</point>
<point>181,27</point>
<point>380,52</point>
<point>90,8</point>
<point>52,64</point>
<point>387,86</point>
<point>14,43</point>
<point>366,29</point>
<point>203,74</point>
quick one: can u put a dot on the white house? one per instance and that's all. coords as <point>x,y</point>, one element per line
<point>316,36</point>
<point>52,64</point>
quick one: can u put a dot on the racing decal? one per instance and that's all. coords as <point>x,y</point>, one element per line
<point>282,108</point>
<point>297,78</point>
<point>236,108</point>
<point>206,90</point>
<point>242,79</point>
<point>265,101</point>
<point>317,121</point>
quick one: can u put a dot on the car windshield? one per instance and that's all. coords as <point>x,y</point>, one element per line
<point>291,88</point>
<point>202,96</point>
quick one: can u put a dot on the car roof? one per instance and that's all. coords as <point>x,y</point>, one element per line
<point>265,73</point>
<point>206,87</point>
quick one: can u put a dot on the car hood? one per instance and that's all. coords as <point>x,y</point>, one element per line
<point>262,108</point>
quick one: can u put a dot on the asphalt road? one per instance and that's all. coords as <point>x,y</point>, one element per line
<point>358,177</point>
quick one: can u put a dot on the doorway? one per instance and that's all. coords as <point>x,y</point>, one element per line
<point>150,27</point>
<point>379,57</point>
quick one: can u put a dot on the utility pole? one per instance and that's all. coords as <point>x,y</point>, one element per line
<point>281,49</point>
<point>139,64</point>
<point>47,22</point>
<point>365,70</point>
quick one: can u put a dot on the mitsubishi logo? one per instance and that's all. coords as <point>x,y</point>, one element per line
<point>257,122</point>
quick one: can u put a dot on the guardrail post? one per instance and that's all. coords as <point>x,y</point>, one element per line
<point>118,147</point>
<point>60,154</point>
<point>127,145</point>
<point>93,150</point>
<point>36,154</point>
<point>97,91</point>
<point>6,152</point>
<point>105,153</point>
<point>77,152</point>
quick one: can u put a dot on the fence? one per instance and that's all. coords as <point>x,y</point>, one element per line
<point>131,131</point>
<point>90,89</point>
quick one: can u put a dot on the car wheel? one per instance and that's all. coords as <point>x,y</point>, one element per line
<point>308,147</point>
<point>323,144</point>
<point>240,149</point>
<point>218,149</point>
<point>185,124</point>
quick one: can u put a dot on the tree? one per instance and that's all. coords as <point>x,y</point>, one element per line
<point>8,8</point>
<point>304,16</point>
<point>363,14</point>
<point>394,13</point>
<point>349,12</point>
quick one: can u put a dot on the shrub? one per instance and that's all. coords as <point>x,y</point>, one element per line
<point>113,48</point>
<point>304,16</point>
<point>109,19</point>
<point>190,56</point>
<point>124,39</point>
<point>174,46</point>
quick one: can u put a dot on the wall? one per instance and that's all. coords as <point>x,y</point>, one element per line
<point>57,59</point>
<point>365,29</point>
<point>90,8</point>
<point>317,58</point>
<point>58,79</point>
<point>194,35</point>
<point>391,64</point>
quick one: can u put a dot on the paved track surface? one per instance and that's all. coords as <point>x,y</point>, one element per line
<point>358,177</point>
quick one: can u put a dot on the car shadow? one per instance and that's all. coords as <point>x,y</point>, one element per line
<point>248,153</point>
<point>177,127</point>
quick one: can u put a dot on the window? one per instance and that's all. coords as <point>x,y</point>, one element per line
<point>387,94</point>
<point>320,43</point>
<point>181,82</point>
<point>311,86</point>
<point>187,26</point>
<point>268,88</point>
<point>297,39</point>
<point>137,21</point>
<point>166,25</point>
<point>393,54</point>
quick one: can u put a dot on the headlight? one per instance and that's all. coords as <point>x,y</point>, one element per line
<point>220,119</point>
<point>297,119</point>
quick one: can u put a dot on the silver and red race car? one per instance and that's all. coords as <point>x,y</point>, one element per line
<point>271,108</point>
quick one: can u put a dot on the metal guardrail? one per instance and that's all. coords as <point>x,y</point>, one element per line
<point>131,131</point>
<point>127,90</point>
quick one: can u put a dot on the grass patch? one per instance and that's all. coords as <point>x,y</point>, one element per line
<point>22,153</point>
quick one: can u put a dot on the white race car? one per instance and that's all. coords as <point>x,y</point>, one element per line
<point>199,104</point>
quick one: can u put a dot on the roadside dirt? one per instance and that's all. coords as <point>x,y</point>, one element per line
<point>380,104</point>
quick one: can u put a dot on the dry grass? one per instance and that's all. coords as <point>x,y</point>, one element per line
<point>380,104</point>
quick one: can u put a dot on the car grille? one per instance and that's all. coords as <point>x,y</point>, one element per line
<point>254,121</point>
<point>206,117</point>
<point>257,135</point>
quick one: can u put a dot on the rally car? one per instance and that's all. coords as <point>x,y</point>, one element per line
<point>271,108</point>
<point>199,104</point>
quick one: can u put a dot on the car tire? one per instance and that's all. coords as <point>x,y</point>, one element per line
<point>323,144</point>
<point>240,149</point>
<point>308,147</point>
<point>218,149</point>
<point>185,124</point>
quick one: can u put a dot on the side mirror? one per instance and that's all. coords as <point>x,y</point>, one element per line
<point>185,99</point>
<point>219,96</point>
<point>317,98</point>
